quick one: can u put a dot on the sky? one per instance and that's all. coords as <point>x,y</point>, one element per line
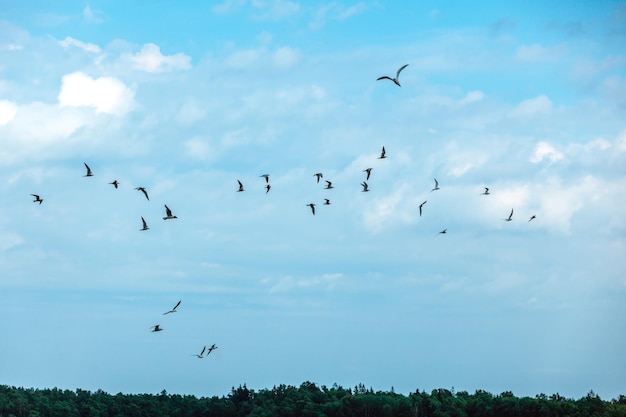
<point>527,99</point>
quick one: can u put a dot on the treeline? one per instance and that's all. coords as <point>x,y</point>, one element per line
<point>306,400</point>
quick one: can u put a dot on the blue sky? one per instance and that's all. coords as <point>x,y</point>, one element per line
<point>528,99</point>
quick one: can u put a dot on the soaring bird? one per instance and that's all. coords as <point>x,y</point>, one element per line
<point>173,310</point>
<point>156,328</point>
<point>508,219</point>
<point>143,190</point>
<point>89,173</point>
<point>168,214</point>
<point>326,202</point>
<point>533,217</point>
<point>422,205</point>
<point>240,186</point>
<point>267,178</point>
<point>115,183</point>
<point>267,188</point>
<point>211,349</point>
<point>486,191</point>
<point>365,187</point>
<point>145,225</point>
<point>395,80</point>
<point>312,205</point>
<point>329,185</point>
<point>318,175</point>
<point>368,171</point>
<point>37,199</point>
<point>201,353</point>
<point>443,232</point>
<point>382,154</point>
<point>436,185</point>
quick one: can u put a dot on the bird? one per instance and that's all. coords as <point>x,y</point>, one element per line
<point>168,213</point>
<point>318,175</point>
<point>267,187</point>
<point>443,232</point>
<point>37,199</point>
<point>436,185</point>
<point>508,219</point>
<point>326,202</point>
<point>89,173</point>
<point>267,178</point>
<point>329,185</point>
<point>115,183</point>
<point>486,191</point>
<point>368,171</point>
<point>143,190</point>
<point>211,349</point>
<point>533,217</point>
<point>240,186</point>
<point>156,328</point>
<point>365,187</point>
<point>382,154</point>
<point>312,205</point>
<point>201,353</point>
<point>173,310</point>
<point>422,205</point>
<point>145,225</point>
<point>395,80</point>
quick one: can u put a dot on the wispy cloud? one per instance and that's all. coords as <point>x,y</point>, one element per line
<point>150,59</point>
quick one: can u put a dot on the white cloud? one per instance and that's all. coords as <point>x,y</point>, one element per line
<point>275,9</point>
<point>620,143</point>
<point>105,94</point>
<point>285,57</point>
<point>88,47</point>
<point>472,97</point>
<point>8,110</point>
<point>243,59</point>
<point>540,105</point>
<point>92,16</point>
<point>387,209</point>
<point>197,148</point>
<point>228,6</point>
<point>190,113</point>
<point>536,53</point>
<point>545,150</point>
<point>335,11</point>
<point>150,59</point>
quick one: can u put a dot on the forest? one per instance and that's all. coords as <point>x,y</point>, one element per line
<point>308,399</point>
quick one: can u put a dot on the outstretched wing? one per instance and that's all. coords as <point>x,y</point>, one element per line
<point>400,70</point>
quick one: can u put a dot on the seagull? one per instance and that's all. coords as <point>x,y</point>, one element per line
<point>422,205</point>
<point>510,217</point>
<point>211,349</point>
<point>143,190</point>
<point>326,202</point>
<point>532,217</point>
<point>329,185</point>
<point>115,183</point>
<point>382,154</point>
<point>369,171</point>
<point>395,80</point>
<point>37,199</point>
<point>267,187</point>
<point>168,214</point>
<point>486,191</point>
<point>318,175</point>
<point>312,205</point>
<point>173,310</point>
<point>156,328</point>
<point>89,173</point>
<point>436,185</point>
<point>365,189</point>
<point>443,232</point>
<point>267,178</point>
<point>201,353</point>
<point>145,225</point>
<point>240,186</point>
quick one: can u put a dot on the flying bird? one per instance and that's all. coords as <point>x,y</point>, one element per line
<point>533,217</point>
<point>143,190</point>
<point>486,191</point>
<point>443,232</point>
<point>156,328</point>
<point>318,175</point>
<point>211,349</point>
<point>312,205</point>
<point>382,154</point>
<point>115,183</point>
<point>508,219</point>
<point>329,185</point>
<point>201,353</point>
<point>240,186</point>
<point>37,199</point>
<point>395,80</point>
<point>267,187</point>
<point>436,185</point>
<point>326,202</point>
<point>173,310</point>
<point>422,205</point>
<point>368,171</point>
<point>145,225</point>
<point>89,173</point>
<point>168,214</point>
<point>267,178</point>
<point>365,187</point>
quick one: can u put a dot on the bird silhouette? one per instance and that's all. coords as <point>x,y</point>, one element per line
<point>173,310</point>
<point>365,187</point>
<point>240,186</point>
<point>89,173</point>
<point>168,214</point>
<point>443,232</point>
<point>486,191</point>
<point>436,185</point>
<point>156,328</point>
<point>37,199</point>
<point>145,225</point>
<point>312,205</point>
<point>211,349</point>
<point>382,154</point>
<point>201,353</point>
<point>115,183</point>
<point>329,185</point>
<point>318,175</point>
<point>533,217</point>
<point>143,190</point>
<point>508,219</point>
<point>326,202</point>
<point>395,80</point>
<point>368,171</point>
<point>422,205</point>
<point>267,178</point>
<point>267,188</point>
